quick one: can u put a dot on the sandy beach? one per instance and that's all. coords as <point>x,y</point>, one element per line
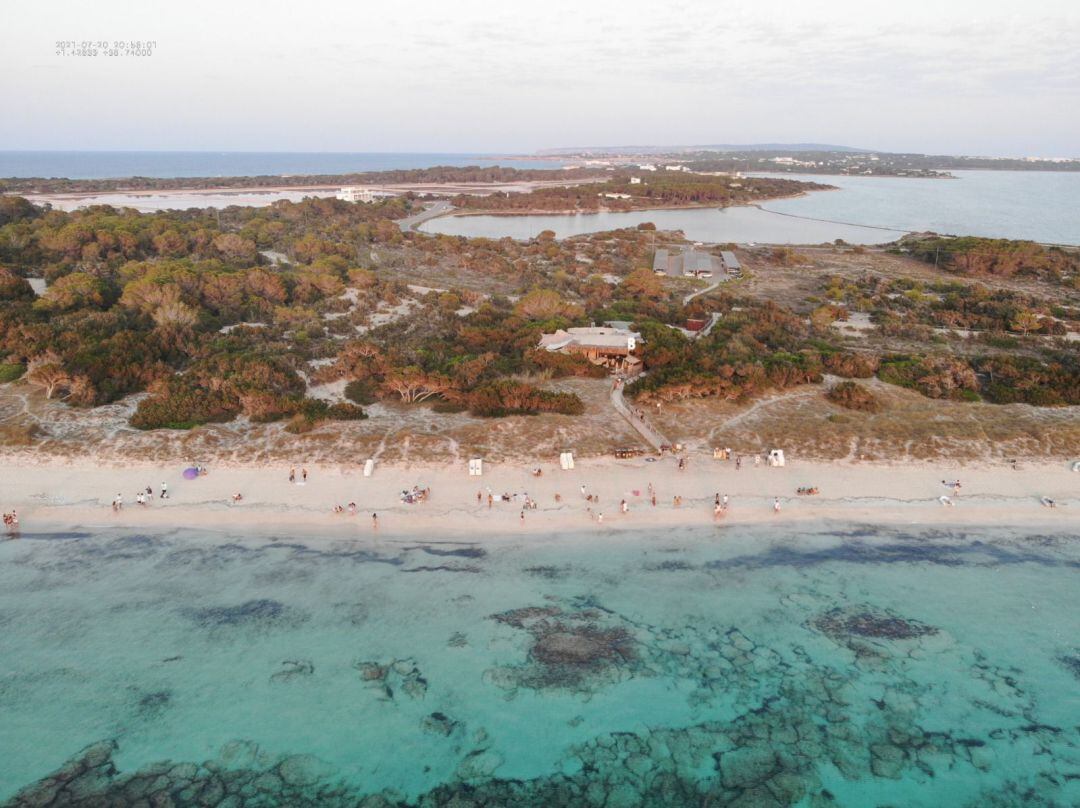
<point>59,496</point>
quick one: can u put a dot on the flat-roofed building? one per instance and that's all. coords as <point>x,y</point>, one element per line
<point>692,262</point>
<point>610,347</point>
<point>731,263</point>
<point>356,193</point>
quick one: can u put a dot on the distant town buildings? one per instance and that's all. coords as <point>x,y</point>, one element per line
<point>635,180</point>
<point>356,193</point>
<point>647,167</point>
<point>614,196</point>
<point>610,346</point>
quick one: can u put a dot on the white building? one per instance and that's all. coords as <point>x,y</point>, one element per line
<point>635,180</point>
<point>356,193</point>
<point>647,167</point>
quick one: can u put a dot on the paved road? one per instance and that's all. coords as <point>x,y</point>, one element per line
<point>651,435</point>
<point>433,210</point>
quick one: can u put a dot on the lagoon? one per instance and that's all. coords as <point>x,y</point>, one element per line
<point>1037,205</point>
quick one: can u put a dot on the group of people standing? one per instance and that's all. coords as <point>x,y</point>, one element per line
<point>144,497</point>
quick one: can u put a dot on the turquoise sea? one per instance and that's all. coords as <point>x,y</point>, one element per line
<point>837,665</point>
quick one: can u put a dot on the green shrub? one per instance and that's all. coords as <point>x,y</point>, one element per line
<point>344,411</point>
<point>10,371</point>
<point>360,391</point>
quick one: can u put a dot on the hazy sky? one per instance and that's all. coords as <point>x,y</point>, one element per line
<point>950,76</point>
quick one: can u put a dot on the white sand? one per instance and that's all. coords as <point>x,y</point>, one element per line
<point>67,495</point>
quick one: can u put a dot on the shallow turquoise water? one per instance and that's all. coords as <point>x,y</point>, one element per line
<point>837,666</point>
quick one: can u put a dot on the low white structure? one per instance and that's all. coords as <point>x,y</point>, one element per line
<point>566,461</point>
<point>635,180</point>
<point>369,467</point>
<point>356,193</point>
<point>476,467</point>
<point>776,457</point>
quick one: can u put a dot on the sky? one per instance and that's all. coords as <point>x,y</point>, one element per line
<point>979,77</point>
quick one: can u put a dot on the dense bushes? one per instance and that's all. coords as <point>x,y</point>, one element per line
<point>933,376</point>
<point>219,388</point>
<point>509,397</point>
<point>1026,380</point>
<point>971,255</point>
<point>853,396</point>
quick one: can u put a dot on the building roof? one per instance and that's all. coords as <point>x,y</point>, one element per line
<point>730,261</point>
<point>608,339</point>
<point>697,261</point>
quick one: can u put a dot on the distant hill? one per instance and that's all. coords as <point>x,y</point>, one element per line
<point>722,147</point>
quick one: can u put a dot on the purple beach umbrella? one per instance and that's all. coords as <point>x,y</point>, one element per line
<point>191,473</point>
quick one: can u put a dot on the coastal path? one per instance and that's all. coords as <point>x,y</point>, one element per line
<point>699,292</point>
<point>654,438</point>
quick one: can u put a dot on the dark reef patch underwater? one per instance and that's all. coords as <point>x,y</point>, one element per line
<point>836,668</point>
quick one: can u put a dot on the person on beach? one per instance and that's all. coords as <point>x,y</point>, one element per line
<point>352,509</point>
<point>303,475</point>
<point>654,500</point>
<point>776,505</point>
<point>479,497</point>
<point>558,498</point>
<point>724,502</point>
<point>583,491</point>
<point>600,517</point>
<point>623,506</point>
<point>149,492</point>
<point>491,499</point>
<point>238,497</point>
<point>738,462</point>
<point>164,491</point>
<point>118,502</point>
<point>717,511</point>
<point>374,521</point>
<point>338,509</point>
<point>292,475</point>
<point>523,517</point>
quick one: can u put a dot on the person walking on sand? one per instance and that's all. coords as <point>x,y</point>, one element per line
<point>583,490</point>
<point>717,511</point>
<point>479,497</point>
<point>523,517</point>
<point>776,505</point>
<point>164,490</point>
<point>623,506</point>
<point>724,502</point>
<point>738,462</point>
<point>654,500</point>
<point>600,517</point>
<point>491,499</point>
<point>292,475</point>
<point>303,475</point>
<point>374,521</point>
